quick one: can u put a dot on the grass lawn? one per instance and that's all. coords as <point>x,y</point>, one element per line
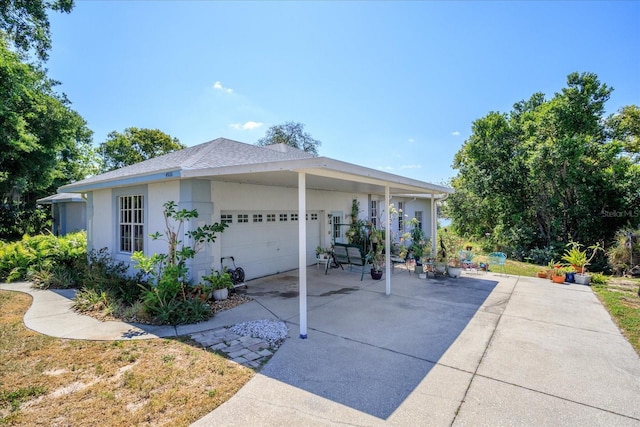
<point>48,381</point>
<point>620,297</point>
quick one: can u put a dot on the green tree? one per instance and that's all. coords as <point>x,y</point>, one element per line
<point>292,134</point>
<point>26,23</point>
<point>43,142</point>
<point>543,174</point>
<point>135,145</point>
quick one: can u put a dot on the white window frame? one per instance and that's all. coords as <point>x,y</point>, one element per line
<point>131,220</point>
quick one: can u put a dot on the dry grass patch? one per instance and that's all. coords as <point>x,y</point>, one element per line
<point>47,381</point>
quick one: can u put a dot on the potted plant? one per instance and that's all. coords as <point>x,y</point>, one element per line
<point>558,273</point>
<point>322,253</point>
<point>578,259</point>
<point>376,255</point>
<point>454,269</point>
<point>450,245</point>
<point>220,284</point>
<point>543,274</point>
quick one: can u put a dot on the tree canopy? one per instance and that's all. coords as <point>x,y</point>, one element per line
<point>27,25</point>
<point>43,142</point>
<point>135,145</point>
<point>292,134</point>
<point>549,172</point>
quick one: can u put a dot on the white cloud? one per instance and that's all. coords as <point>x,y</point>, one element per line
<point>411,167</point>
<point>411,140</point>
<point>218,86</point>
<point>455,133</point>
<point>250,125</point>
<point>385,168</point>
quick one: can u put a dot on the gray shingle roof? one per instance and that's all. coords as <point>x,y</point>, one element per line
<point>220,152</point>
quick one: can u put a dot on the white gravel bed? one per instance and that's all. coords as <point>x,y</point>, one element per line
<point>272,331</point>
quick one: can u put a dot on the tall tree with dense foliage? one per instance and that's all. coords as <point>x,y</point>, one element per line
<point>135,145</point>
<point>292,134</point>
<point>26,23</point>
<point>43,142</point>
<point>548,172</point>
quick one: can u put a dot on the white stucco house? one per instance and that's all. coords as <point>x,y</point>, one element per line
<point>68,212</point>
<point>280,203</point>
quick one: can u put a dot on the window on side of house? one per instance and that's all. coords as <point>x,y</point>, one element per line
<point>283,217</point>
<point>226,218</point>
<point>374,213</point>
<point>131,223</point>
<point>418,217</point>
<point>243,218</point>
<point>271,217</point>
<point>257,217</point>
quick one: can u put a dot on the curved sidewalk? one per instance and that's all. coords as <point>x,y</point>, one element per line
<point>50,313</point>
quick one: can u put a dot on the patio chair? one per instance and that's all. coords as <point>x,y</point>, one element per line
<point>466,260</point>
<point>498,259</point>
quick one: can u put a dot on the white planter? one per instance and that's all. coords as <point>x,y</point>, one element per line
<point>423,275</point>
<point>220,294</point>
<point>583,279</point>
<point>454,271</point>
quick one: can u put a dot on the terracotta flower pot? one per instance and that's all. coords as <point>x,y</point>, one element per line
<point>557,279</point>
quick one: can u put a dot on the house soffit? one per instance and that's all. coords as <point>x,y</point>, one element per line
<point>320,176</point>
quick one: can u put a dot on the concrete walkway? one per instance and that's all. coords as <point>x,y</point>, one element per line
<point>483,349</point>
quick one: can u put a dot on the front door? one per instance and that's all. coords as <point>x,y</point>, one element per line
<point>338,231</point>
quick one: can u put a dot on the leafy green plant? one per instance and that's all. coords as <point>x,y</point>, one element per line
<point>166,296</point>
<point>578,258</point>
<point>90,300</point>
<point>624,253</point>
<point>34,253</point>
<point>219,280</point>
<point>598,279</point>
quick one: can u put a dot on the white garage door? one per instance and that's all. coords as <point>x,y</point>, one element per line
<point>266,242</point>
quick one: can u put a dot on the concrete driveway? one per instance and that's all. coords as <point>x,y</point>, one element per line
<point>484,349</point>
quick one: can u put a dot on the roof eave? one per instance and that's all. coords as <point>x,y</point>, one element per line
<point>157,176</point>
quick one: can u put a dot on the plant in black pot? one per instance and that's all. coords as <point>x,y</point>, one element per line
<point>376,254</point>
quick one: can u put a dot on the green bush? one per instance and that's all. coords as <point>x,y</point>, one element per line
<point>41,252</point>
<point>598,279</point>
<point>103,273</point>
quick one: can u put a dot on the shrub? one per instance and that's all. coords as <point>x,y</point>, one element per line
<point>543,256</point>
<point>103,273</point>
<point>598,279</point>
<point>34,253</point>
<point>624,250</point>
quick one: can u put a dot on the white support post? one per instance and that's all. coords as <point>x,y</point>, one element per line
<point>387,241</point>
<point>434,225</point>
<point>302,252</point>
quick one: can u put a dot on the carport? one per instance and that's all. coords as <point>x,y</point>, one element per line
<point>322,173</point>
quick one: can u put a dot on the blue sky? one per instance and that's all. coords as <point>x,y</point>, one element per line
<point>387,85</point>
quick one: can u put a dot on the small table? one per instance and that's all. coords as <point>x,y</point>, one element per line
<point>322,261</point>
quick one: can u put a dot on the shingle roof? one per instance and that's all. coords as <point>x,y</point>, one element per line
<point>220,152</point>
